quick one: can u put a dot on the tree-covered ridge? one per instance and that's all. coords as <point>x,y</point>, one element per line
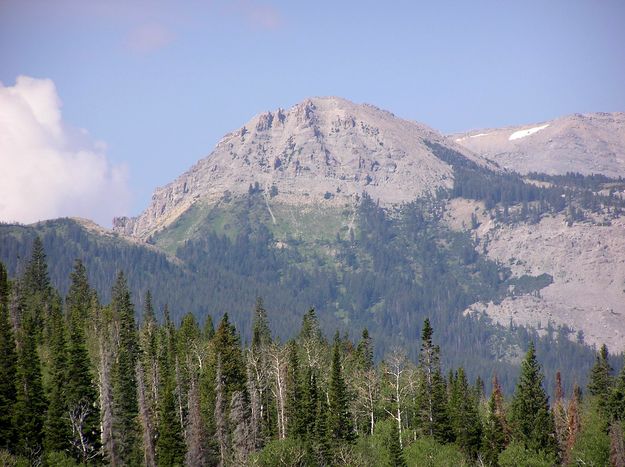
<point>86,383</point>
<point>387,273</point>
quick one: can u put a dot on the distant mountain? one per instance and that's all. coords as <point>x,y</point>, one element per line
<point>375,222</point>
<point>592,143</point>
<point>324,151</point>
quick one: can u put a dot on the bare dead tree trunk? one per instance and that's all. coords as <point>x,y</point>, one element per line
<point>106,403</point>
<point>221,429</point>
<point>149,451</point>
<point>239,420</point>
<point>80,441</point>
<point>395,369</point>
<point>278,360</point>
<point>617,446</point>
<point>196,436</point>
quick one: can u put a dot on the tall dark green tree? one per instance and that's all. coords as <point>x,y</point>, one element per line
<point>125,405</point>
<point>432,411</point>
<point>170,444</point>
<point>340,424</point>
<point>57,427</point>
<point>364,351</point>
<point>465,418</point>
<point>601,380</point>
<point>36,278</point>
<point>8,370</point>
<point>296,414</point>
<point>495,427</point>
<point>616,400</point>
<point>530,418</point>
<point>227,345</point>
<point>396,455</point>
<point>80,390</point>
<point>30,406</point>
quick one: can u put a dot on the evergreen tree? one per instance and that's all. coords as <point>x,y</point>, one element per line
<point>465,418</point>
<point>8,369</point>
<point>261,335</point>
<point>495,428</point>
<point>57,429</point>
<point>432,413</point>
<point>616,400</point>
<point>296,415</point>
<point>339,418</point>
<point>227,345</point>
<point>396,454</point>
<point>30,406</point>
<point>170,446</point>
<point>530,417</point>
<point>364,351</point>
<point>80,392</point>
<point>601,381</point>
<point>125,405</point>
<point>36,278</point>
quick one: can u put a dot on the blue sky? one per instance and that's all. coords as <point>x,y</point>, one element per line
<point>160,82</point>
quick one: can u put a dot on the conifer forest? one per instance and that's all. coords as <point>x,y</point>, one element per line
<point>89,383</point>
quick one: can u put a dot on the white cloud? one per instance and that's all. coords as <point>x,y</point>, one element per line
<point>48,169</point>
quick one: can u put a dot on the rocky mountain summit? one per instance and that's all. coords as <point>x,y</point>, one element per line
<point>592,143</point>
<point>323,150</point>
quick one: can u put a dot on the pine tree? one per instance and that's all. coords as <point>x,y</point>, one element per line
<point>616,399</point>
<point>125,404</point>
<point>295,412</point>
<point>80,392</point>
<point>30,405</point>
<point>364,351</point>
<point>464,415</point>
<point>339,418</point>
<point>57,429</point>
<point>36,279</point>
<point>601,380</point>
<point>495,429</point>
<point>432,413</point>
<point>8,370</point>
<point>530,417</point>
<point>396,454</point>
<point>170,446</point>
<point>227,345</point>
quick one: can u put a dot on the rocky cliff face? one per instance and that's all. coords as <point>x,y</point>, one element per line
<point>584,143</point>
<point>323,150</point>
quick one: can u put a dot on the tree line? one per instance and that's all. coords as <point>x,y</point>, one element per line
<point>83,383</point>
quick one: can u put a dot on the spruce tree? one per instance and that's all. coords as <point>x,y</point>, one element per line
<point>30,405</point>
<point>36,279</point>
<point>464,415</point>
<point>125,405</point>
<point>8,370</point>
<point>601,381</point>
<point>57,428</point>
<point>169,446</point>
<point>339,418</point>
<point>495,428</point>
<point>296,415</point>
<point>616,400</point>
<point>364,351</point>
<point>531,420</point>
<point>396,455</point>
<point>81,396</point>
<point>432,412</point>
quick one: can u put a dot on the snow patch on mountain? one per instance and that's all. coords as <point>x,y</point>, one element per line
<point>523,133</point>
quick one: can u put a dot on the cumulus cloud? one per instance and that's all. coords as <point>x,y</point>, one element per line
<point>48,169</point>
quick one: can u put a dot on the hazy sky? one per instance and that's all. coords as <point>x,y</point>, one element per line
<point>155,84</point>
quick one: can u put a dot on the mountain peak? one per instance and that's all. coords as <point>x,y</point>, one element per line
<point>585,143</point>
<point>321,150</point>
